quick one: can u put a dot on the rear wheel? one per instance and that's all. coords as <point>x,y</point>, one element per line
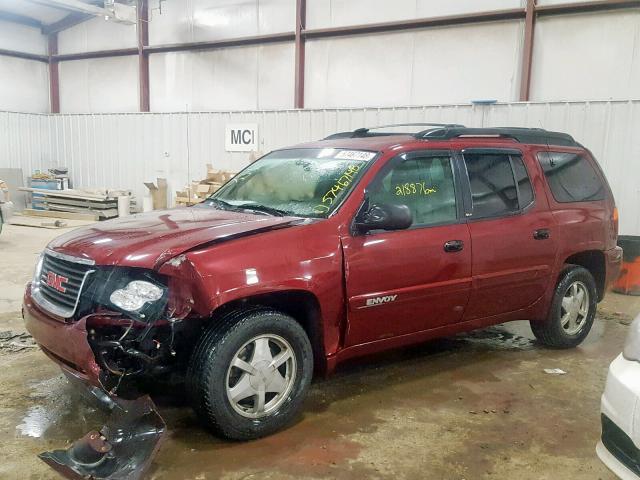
<point>572,312</point>
<point>249,373</point>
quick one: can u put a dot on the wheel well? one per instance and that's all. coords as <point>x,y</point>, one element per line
<point>301,305</point>
<point>594,261</point>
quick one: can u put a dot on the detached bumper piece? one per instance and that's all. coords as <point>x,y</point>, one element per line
<point>122,449</point>
<point>620,445</point>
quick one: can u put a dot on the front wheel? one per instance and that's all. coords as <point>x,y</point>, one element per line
<point>572,311</point>
<point>249,373</point>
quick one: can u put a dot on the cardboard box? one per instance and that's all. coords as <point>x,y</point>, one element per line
<point>158,193</point>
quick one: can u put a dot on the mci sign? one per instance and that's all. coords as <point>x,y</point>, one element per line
<point>241,137</point>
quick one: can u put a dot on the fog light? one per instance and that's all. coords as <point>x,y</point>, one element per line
<point>135,295</point>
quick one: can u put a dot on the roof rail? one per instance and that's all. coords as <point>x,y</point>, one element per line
<point>519,134</point>
<point>367,132</point>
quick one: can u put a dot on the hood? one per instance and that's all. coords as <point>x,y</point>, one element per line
<point>148,240</point>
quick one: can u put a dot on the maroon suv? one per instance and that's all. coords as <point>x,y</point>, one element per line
<point>314,254</point>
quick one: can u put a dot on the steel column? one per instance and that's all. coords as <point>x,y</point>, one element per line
<point>54,77</point>
<point>301,25</point>
<point>143,57</point>
<point>527,51</point>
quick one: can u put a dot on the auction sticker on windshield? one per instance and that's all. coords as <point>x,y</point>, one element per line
<point>354,155</point>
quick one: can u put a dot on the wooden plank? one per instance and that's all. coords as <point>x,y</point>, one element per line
<point>66,215</point>
<point>47,222</point>
<point>111,213</point>
<point>53,224</point>
<point>81,203</point>
<point>64,193</point>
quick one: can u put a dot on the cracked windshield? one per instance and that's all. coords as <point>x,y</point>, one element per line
<point>300,182</point>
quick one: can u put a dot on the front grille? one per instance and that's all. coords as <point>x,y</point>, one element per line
<point>620,445</point>
<point>60,283</point>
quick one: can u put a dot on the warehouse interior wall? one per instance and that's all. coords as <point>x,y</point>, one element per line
<point>585,80</point>
<point>449,64</point>
<point>24,84</point>
<point>125,150</point>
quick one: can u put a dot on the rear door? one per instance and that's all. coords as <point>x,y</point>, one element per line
<point>512,232</point>
<point>406,281</point>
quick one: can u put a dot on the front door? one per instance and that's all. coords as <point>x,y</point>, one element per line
<point>405,281</point>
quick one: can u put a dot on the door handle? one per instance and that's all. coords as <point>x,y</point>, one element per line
<point>541,234</point>
<point>453,246</point>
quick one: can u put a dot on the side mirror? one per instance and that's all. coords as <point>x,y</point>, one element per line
<point>384,217</point>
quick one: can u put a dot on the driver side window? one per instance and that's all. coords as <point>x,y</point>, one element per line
<point>424,184</point>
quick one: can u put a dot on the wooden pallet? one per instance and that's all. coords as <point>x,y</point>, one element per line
<point>67,215</point>
<point>91,205</point>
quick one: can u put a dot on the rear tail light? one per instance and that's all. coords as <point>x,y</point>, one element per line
<point>614,219</point>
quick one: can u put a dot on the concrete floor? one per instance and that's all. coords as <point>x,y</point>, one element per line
<point>477,406</point>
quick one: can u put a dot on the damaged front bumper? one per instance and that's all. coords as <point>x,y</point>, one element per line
<point>122,449</point>
<point>65,343</point>
<point>125,446</point>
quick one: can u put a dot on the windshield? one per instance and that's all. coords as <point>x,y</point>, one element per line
<point>301,182</point>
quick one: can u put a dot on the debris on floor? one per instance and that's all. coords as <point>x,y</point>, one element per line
<point>123,448</point>
<point>25,221</point>
<point>13,342</point>
<point>554,371</point>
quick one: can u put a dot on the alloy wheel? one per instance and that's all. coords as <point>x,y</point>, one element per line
<point>574,308</point>
<point>261,376</point>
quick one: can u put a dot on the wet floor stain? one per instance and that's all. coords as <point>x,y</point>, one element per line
<point>447,409</point>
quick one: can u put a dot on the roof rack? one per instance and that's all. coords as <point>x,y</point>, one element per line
<point>367,132</point>
<point>519,134</point>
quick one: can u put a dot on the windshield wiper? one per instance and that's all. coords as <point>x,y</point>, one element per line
<point>220,204</point>
<point>263,208</point>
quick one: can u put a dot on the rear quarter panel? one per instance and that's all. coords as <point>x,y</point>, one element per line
<point>581,226</point>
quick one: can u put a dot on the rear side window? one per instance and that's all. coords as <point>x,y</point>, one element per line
<point>571,177</point>
<point>499,184</point>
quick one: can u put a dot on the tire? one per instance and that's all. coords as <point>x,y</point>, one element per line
<point>256,336</point>
<point>562,329</point>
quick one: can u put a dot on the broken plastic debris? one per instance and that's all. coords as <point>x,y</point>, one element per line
<point>554,371</point>
<point>121,450</point>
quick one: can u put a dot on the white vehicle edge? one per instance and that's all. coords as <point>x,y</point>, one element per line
<point>621,406</point>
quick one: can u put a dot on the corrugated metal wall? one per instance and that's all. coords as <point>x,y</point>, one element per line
<point>123,150</point>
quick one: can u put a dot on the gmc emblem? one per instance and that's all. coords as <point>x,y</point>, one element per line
<point>56,281</point>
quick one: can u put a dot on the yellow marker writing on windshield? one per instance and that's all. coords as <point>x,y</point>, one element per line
<point>341,184</point>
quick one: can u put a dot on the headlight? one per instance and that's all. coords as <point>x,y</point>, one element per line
<point>135,295</point>
<point>632,345</point>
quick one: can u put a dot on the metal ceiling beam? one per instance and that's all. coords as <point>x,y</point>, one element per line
<point>69,21</point>
<point>481,17</point>
<point>118,52</point>
<point>24,55</point>
<point>74,6</point>
<point>215,44</point>
<point>21,19</point>
<point>585,7</point>
<point>471,18</point>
